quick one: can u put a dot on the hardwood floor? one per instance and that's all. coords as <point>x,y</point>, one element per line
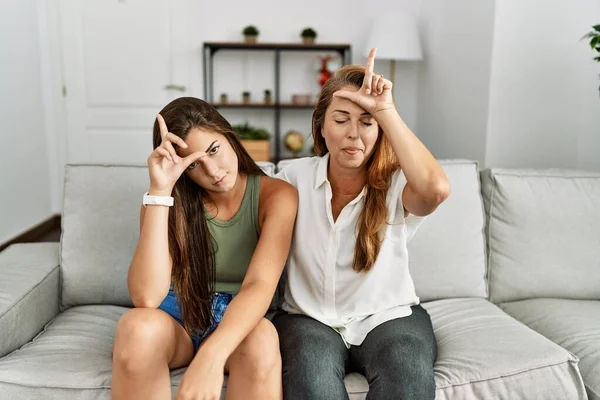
<point>51,236</point>
<point>46,231</point>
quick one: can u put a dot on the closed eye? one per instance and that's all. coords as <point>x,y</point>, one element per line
<point>339,122</point>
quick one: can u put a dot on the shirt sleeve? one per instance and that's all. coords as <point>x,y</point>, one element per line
<point>287,174</point>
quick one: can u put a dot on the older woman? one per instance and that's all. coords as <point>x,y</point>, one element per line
<point>350,302</point>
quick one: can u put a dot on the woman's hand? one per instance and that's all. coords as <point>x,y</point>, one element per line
<point>375,95</point>
<point>203,380</point>
<point>164,165</point>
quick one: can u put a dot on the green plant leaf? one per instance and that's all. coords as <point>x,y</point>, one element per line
<point>594,42</point>
<point>596,27</point>
<point>597,58</point>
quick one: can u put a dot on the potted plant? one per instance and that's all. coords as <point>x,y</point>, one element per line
<point>594,37</point>
<point>255,141</point>
<point>250,34</point>
<point>308,36</point>
<point>268,99</point>
<point>246,97</point>
<point>223,98</point>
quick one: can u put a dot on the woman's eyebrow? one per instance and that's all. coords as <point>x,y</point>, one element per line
<point>209,147</point>
<point>365,114</point>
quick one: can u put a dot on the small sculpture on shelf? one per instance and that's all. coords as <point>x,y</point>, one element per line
<point>250,34</point>
<point>294,142</point>
<point>324,72</point>
<point>223,98</point>
<point>308,36</point>
<point>268,99</point>
<point>246,97</point>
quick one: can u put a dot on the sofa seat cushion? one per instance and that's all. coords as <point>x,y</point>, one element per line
<point>483,353</point>
<point>72,359</point>
<point>573,324</point>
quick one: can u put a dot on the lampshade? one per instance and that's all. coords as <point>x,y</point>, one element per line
<point>396,37</point>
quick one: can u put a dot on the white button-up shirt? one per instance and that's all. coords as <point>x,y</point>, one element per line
<point>320,280</point>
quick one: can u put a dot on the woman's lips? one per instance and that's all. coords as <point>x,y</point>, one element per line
<point>351,150</point>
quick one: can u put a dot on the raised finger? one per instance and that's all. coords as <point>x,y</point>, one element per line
<point>169,147</point>
<point>162,125</point>
<point>371,60</point>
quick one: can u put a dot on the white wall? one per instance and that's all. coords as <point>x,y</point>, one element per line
<point>24,171</point>
<point>454,77</point>
<point>544,108</point>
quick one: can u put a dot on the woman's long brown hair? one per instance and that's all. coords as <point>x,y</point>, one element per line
<point>191,245</point>
<point>381,165</point>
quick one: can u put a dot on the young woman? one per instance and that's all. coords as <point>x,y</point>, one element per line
<point>350,303</point>
<point>206,268</point>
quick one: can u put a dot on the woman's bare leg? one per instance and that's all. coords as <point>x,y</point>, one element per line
<point>255,366</point>
<point>148,342</point>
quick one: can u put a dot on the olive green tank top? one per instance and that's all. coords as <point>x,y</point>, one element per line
<point>236,239</point>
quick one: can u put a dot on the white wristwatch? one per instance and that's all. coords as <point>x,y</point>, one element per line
<point>148,199</point>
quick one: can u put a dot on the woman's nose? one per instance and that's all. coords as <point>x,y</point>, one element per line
<point>210,167</point>
<point>352,131</point>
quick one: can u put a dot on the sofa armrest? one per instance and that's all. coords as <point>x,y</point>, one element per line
<point>29,292</point>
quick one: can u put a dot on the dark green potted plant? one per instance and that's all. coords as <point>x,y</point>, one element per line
<point>250,34</point>
<point>223,98</point>
<point>308,36</point>
<point>246,97</point>
<point>255,141</point>
<point>594,37</point>
<point>268,99</point>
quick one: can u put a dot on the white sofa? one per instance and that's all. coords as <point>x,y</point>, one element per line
<point>508,268</point>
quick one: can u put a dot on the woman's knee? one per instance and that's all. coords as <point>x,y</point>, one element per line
<point>259,351</point>
<point>409,359</point>
<point>140,335</point>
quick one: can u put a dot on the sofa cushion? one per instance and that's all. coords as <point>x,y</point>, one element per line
<point>447,254</point>
<point>573,324</point>
<point>485,354</point>
<point>542,233</point>
<point>482,354</point>
<point>29,292</point>
<point>100,231</point>
<point>77,345</point>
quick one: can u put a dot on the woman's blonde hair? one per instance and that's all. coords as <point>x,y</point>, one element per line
<point>382,163</point>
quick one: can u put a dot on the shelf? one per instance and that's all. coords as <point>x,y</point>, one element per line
<point>263,105</point>
<point>291,46</point>
<point>210,48</point>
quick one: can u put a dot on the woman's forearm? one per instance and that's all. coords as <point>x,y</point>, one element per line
<point>244,312</point>
<point>149,274</point>
<point>423,172</point>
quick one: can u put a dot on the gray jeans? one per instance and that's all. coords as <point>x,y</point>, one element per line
<point>396,357</point>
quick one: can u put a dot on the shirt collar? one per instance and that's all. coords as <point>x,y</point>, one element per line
<point>321,176</point>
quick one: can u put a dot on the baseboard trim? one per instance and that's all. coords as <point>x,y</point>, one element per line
<point>35,233</point>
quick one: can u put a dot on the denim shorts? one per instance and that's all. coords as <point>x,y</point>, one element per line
<point>220,301</point>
